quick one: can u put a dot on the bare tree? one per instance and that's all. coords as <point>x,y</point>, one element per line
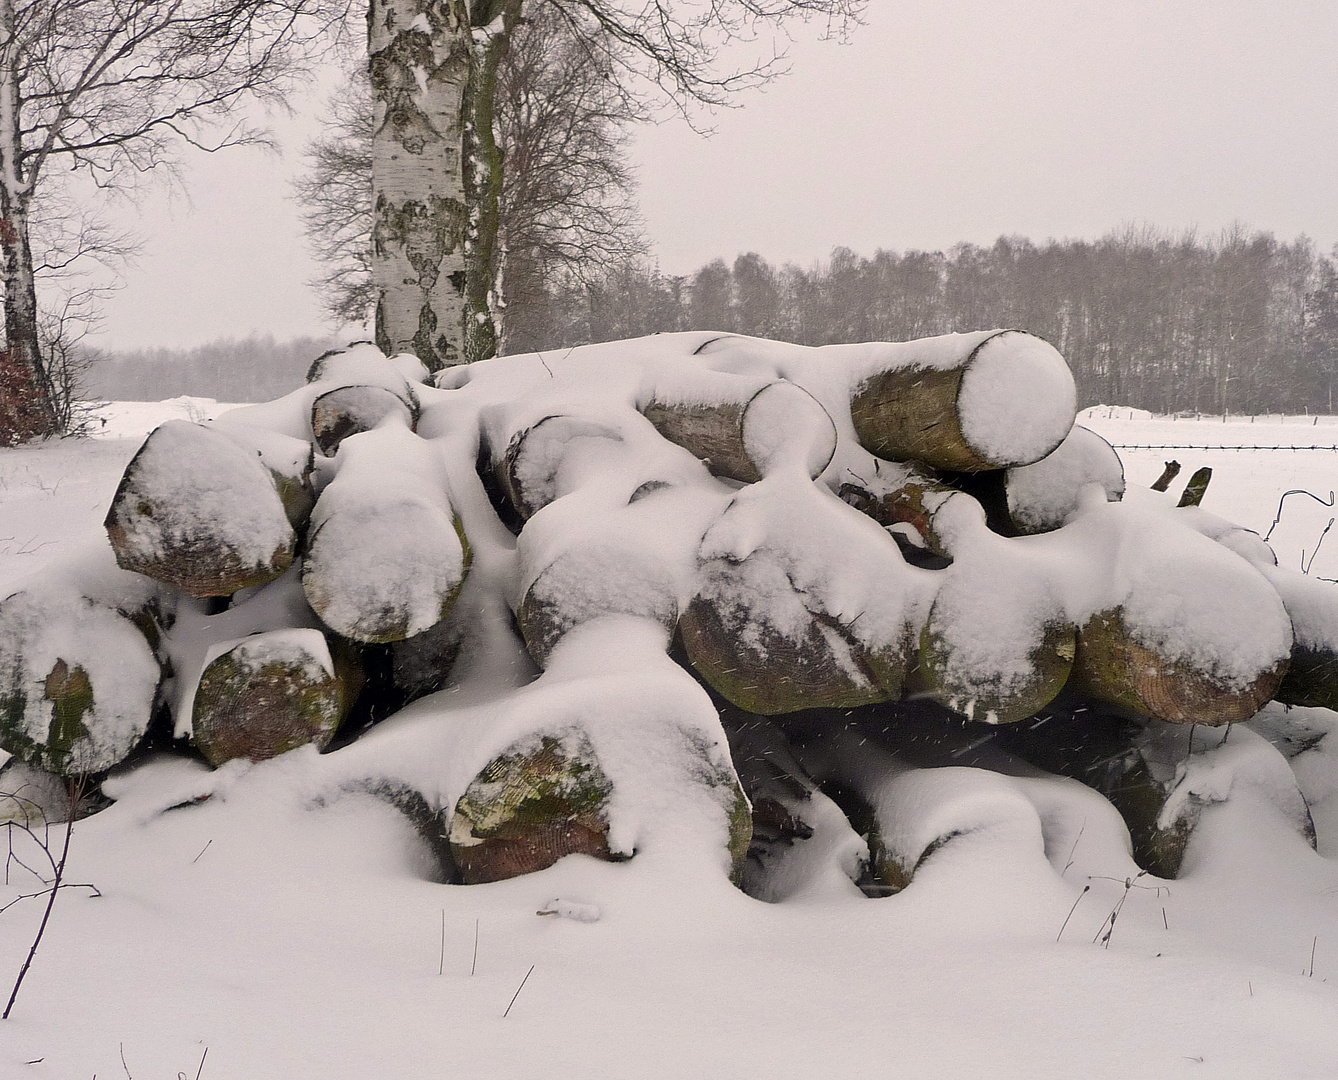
<point>438,167</point>
<point>113,88</point>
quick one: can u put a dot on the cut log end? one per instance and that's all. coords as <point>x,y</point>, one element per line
<point>349,410</point>
<point>763,671</point>
<point>530,807</point>
<point>1111,666</point>
<point>992,699</point>
<point>269,694</point>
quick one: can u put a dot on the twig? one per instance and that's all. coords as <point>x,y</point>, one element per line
<point>474,965</point>
<point>518,990</point>
<point>1085,890</point>
<point>1074,849</point>
<point>76,790</point>
<point>202,851</point>
<point>201,1068</point>
<point>124,1065</point>
<point>1313,944</point>
<point>1305,566</point>
<point>441,965</point>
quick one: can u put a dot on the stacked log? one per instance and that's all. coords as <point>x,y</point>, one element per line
<point>965,402</point>
<point>387,554</point>
<point>197,511</point>
<point>359,390</point>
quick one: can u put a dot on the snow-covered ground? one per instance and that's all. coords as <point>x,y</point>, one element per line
<point>275,933</point>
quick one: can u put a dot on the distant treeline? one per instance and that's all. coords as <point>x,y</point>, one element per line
<point>1241,322</point>
<point>252,369</point>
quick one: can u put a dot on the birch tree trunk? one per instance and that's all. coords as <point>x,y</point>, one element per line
<point>419,56</point>
<point>26,408</point>
<point>484,254</point>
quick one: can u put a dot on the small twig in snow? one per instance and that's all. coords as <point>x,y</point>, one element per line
<point>1074,849</point>
<point>474,965</point>
<point>441,964</point>
<point>202,851</point>
<point>518,990</point>
<point>1085,890</point>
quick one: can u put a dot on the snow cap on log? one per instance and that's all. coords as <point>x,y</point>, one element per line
<point>1170,623</point>
<point>998,644</point>
<point>198,511</point>
<point>535,464</point>
<point>742,427</point>
<point>1043,495</point>
<point>965,402</point>
<point>78,682</point>
<point>267,694</point>
<point>802,603</point>
<point>362,387</point>
<point>386,555</point>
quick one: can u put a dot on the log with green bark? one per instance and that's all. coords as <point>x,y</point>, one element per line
<point>964,402</point>
<point>745,428</point>
<point>197,510</point>
<point>270,693</point>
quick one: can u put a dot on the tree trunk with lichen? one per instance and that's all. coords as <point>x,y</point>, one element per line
<point>437,175</point>
<point>493,21</point>
<point>26,408</point>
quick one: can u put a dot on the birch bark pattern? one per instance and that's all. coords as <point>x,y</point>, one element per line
<point>419,62</point>
<point>26,408</point>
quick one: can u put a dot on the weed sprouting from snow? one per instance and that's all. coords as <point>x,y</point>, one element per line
<point>1085,890</point>
<point>1107,928</point>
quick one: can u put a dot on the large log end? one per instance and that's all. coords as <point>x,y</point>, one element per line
<point>530,806</point>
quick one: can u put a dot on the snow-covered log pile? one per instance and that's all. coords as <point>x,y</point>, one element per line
<point>539,602</point>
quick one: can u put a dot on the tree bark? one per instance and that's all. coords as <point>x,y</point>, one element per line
<point>493,21</point>
<point>26,408</point>
<point>419,60</point>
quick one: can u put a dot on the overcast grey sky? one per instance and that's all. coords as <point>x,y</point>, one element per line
<point>941,120</point>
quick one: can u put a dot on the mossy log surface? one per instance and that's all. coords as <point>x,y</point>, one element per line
<point>78,685</point>
<point>528,808</point>
<point>201,531</point>
<point>263,698</point>
<point>987,696</point>
<point>1111,666</point>
<point>348,410</point>
<point>761,670</point>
